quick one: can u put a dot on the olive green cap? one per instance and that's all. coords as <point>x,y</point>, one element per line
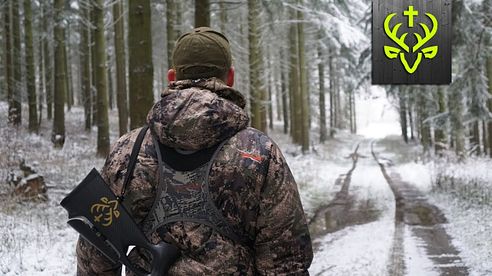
<point>201,53</point>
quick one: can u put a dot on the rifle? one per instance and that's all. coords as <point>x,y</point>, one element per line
<point>100,218</point>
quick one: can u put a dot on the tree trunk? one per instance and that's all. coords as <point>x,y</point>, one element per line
<point>269,92</point>
<point>484,137</point>
<point>68,67</point>
<point>16,115</point>
<point>102,86</point>
<point>424,127</point>
<point>93,64</point>
<point>489,76</point>
<point>30,70</point>
<point>322,104</point>
<point>255,66</point>
<point>354,113</point>
<point>140,62</point>
<point>410,119</point>
<point>7,10</point>
<point>277,92</point>
<point>285,103</point>
<point>179,18</point>
<point>278,103</point>
<point>171,33</point>
<point>270,108</point>
<point>110,82</point>
<point>68,71</point>
<point>85,58</point>
<point>475,139</point>
<point>457,124</point>
<point>277,72</point>
<point>223,16</point>
<point>487,9</point>
<point>439,133</point>
<point>294,83</point>
<point>120,56</point>
<point>48,64</point>
<point>351,110</point>
<point>202,13</point>
<point>58,135</point>
<point>303,81</point>
<point>403,114</point>
<point>111,69</point>
<point>338,108</point>
<point>41,69</point>
<point>332,92</point>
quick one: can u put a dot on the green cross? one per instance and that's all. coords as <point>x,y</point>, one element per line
<point>410,13</point>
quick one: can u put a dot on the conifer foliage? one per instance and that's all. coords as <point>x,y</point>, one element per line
<point>302,65</point>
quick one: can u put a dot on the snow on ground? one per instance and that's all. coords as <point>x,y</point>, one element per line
<point>315,178</point>
<point>470,180</point>
<point>470,226</point>
<point>478,168</point>
<point>361,249</point>
<point>370,248</point>
<point>37,241</point>
<point>466,203</point>
<point>418,174</point>
<point>35,237</point>
<point>416,259</point>
<point>316,172</point>
<point>356,250</point>
<point>368,178</point>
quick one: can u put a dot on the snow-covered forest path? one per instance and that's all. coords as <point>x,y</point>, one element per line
<point>377,224</point>
<point>361,238</point>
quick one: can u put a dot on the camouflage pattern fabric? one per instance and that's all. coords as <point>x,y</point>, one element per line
<point>249,182</point>
<point>185,196</point>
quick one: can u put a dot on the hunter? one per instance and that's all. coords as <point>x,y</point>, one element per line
<point>204,181</point>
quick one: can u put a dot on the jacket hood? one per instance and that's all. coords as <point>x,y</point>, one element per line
<point>197,114</point>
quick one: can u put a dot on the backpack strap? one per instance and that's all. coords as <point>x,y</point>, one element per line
<point>169,206</point>
<point>133,161</point>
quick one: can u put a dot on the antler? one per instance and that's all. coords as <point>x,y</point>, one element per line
<point>393,34</point>
<point>428,34</point>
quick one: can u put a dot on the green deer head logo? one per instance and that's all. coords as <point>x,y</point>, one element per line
<point>393,52</point>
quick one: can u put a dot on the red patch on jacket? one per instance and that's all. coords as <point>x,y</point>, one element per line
<point>254,157</point>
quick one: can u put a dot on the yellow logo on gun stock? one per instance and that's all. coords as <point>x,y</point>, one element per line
<point>393,52</point>
<point>104,211</point>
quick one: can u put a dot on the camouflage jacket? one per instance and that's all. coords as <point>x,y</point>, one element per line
<point>265,206</point>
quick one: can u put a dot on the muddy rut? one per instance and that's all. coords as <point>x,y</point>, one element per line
<point>412,213</point>
<point>425,221</point>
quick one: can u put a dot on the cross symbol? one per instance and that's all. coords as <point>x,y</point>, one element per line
<point>410,13</point>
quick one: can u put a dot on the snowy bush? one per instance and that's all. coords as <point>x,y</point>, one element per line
<point>470,179</point>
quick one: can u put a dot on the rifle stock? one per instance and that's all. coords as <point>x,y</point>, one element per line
<point>98,215</point>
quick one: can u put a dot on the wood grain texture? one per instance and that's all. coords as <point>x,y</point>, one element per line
<point>430,71</point>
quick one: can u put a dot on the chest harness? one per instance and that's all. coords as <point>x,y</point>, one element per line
<point>183,194</point>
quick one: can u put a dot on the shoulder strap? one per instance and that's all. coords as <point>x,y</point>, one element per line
<point>215,217</point>
<point>133,160</point>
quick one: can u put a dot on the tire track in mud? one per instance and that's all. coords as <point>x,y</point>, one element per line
<point>425,221</point>
<point>334,212</point>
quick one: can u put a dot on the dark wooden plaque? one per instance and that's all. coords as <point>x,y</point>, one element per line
<point>412,58</point>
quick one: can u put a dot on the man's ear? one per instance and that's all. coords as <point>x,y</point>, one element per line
<point>230,77</point>
<point>171,75</point>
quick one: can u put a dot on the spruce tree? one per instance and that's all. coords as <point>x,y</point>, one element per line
<point>58,135</point>
<point>141,70</point>
<point>30,72</point>
<point>120,56</point>
<point>102,81</point>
